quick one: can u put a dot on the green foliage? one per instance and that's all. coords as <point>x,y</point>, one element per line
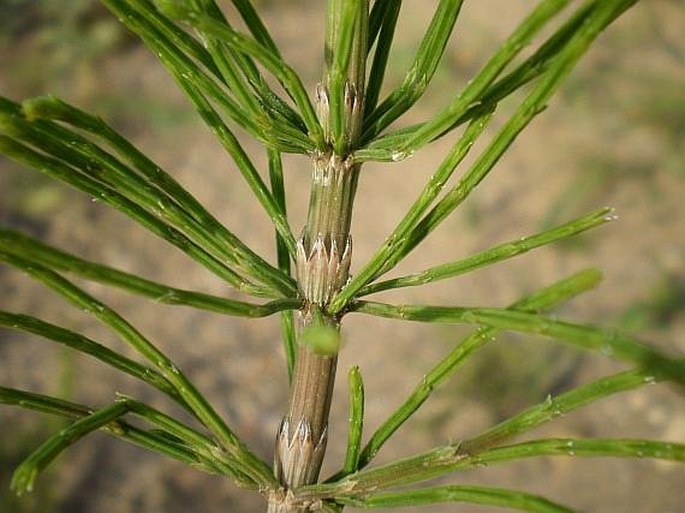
<point>223,72</point>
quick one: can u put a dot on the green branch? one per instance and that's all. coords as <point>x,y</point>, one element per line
<point>606,341</point>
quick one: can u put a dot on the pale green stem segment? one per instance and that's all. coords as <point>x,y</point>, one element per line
<point>324,254</point>
<point>356,420</point>
<point>543,299</point>
<point>483,495</point>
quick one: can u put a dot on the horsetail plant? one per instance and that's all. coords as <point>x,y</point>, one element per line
<point>346,123</point>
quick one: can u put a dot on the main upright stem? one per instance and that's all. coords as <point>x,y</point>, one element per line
<point>324,254</point>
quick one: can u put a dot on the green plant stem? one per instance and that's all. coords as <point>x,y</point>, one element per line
<point>32,250</point>
<point>488,496</point>
<point>183,73</point>
<point>451,458</point>
<point>241,457</point>
<point>87,346</point>
<point>165,188</point>
<point>495,254</point>
<point>420,73</point>
<point>287,321</point>
<point>356,420</point>
<point>456,154</point>
<point>543,299</point>
<point>608,342</point>
<point>324,251</point>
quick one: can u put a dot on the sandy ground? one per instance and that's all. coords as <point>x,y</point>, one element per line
<point>612,137</point>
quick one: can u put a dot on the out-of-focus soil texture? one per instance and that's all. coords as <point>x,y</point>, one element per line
<point>613,136</point>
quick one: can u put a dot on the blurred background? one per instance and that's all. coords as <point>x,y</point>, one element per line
<point>613,136</point>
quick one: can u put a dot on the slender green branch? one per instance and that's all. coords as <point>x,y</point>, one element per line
<point>451,458</point>
<point>255,24</point>
<point>356,420</point>
<point>533,67</point>
<point>204,447</point>
<point>26,473</point>
<point>287,321</point>
<point>228,61</point>
<point>382,23</point>
<point>157,32</point>
<point>151,173</point>
<point>543,299</point>
<point>158,196</point>
<point>240,455</point>
<point>487,496</point>
<point>43,403</point>
<point>419,74</point>
<point>32,250</point>
<point>467,453</point>
<point>534,103</point>
<point>554,407</point>
<point>495,254</point>
<point>184,78</point>
<point>432,189</point>
<point>617,448</point>
<point>246,167</point>
<point>65,173</point>
<point>270,60</point>
<point>282,117</point>
<point>523,34</point>
<point>409,234</point>
<point>169,437</point>
<point>87,346</point>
